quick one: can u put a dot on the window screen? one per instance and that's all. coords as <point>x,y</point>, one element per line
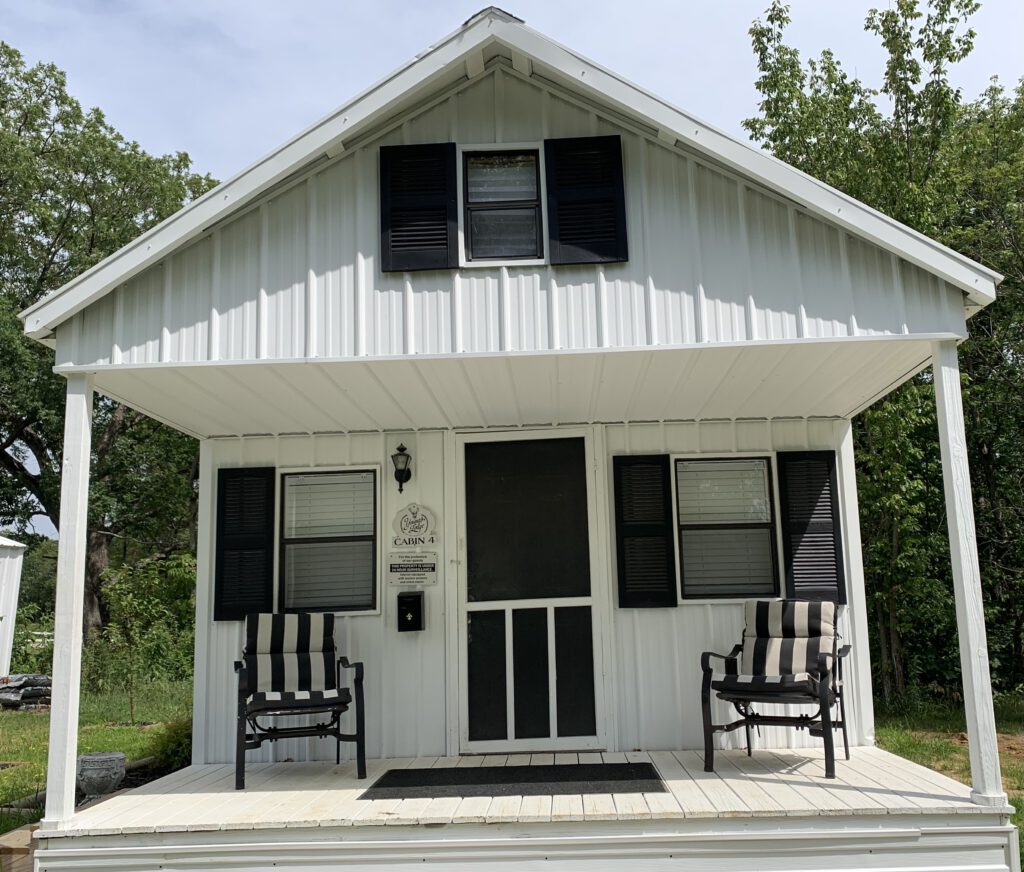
<point>726,528</point>
<point>502,193</point>
<point>328,542</point>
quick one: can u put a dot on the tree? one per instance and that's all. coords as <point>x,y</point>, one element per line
<point>72,191</point>
<point>915,151</point>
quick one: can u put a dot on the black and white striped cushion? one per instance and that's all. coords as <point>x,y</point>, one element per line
<point>272,699</point>
<point>800,682</point>
<point>290,653</point>
<point>785,637</point>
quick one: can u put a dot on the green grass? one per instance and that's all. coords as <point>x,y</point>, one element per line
<point>934,736</point>
<point>104,725</point>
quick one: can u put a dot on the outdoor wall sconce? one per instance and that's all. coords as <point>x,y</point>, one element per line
<point>401,460</point>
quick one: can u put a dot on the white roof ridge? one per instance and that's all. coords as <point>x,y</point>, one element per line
<point>492,24</point>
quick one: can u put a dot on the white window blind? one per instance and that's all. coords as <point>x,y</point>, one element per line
<point>722,491</point>
<point>329,532</point>
<point>726,531</point>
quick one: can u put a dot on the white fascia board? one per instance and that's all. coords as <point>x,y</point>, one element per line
<point>493,25</point>
<point>978,281</point>
<point>324,137</point>
<point>10,543</point>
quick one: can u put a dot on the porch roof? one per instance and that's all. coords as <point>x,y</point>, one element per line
<point>827,378</point>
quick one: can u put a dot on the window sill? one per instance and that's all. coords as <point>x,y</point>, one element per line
<point>491,264</point>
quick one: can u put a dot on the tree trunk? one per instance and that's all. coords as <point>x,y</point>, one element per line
<point>884,661</point>
<point>97,559</point>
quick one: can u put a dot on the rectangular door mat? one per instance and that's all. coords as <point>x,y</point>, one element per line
<point>556,780</point>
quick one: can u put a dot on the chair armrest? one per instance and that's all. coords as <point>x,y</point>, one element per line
<point>344,663</point>
<point>844,651</point>
<point>705,658</point>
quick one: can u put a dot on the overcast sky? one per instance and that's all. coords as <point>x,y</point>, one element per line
<point>228,80</point>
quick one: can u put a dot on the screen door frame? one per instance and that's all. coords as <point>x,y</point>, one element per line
<point>459,741</point>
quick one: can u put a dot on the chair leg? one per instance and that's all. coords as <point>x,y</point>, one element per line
<point>750,737</point>
<point>360,731</point>
<point>709,727</point>
<point>827,733</point>
<point>842,721</point>
<point>240,747</point>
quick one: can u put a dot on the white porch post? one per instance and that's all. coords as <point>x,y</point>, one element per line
<point>67,629</point>
<point>970,616</point>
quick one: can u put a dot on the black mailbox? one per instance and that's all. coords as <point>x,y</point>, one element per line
<point>410,611</point>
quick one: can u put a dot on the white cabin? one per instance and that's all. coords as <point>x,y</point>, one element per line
<point>523,269</point>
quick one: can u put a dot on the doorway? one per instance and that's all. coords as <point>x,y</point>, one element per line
<point>528,646</point>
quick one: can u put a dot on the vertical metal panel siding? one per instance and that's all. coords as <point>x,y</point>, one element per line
<point>657,651</point>
<point>10,580</point>
<point>405,673</point>
<point>711,260</point>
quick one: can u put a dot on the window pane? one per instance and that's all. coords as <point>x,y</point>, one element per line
<point>329,575</point>
<point>328,504</point>
<point>722,491</point>
<point>503,233</point>
<point>492,178</point>
<point>727,562</point>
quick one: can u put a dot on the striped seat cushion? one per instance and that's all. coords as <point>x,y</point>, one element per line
<point>299,699</point>
<point>785,637</point>
<point>290,653</point>
<point>799,682</point>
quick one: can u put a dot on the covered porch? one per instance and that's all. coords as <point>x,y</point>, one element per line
<point>298,815</point>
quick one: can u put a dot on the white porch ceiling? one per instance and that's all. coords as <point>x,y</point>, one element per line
<point>771,380</point>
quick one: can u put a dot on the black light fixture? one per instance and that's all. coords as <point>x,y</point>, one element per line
<point>401,460</point>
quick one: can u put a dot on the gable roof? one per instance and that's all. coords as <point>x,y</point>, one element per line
<point>461,55</point>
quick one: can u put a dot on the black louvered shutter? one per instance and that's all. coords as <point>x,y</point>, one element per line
<point>586,200</point>
<point>643,531</point>
<point>811,532</point>
<point>418,207</point>
<point>244,573</point>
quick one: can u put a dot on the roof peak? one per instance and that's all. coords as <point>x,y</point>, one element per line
<point>492,12</point>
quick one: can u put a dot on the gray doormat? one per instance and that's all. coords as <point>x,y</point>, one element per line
<point>565,780</point>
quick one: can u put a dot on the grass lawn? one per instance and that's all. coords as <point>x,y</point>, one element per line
<point>936,737</point>
<point>104,725</point>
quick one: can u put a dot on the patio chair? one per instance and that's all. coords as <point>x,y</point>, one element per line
<point>290,667</point>
<point>788,655</point>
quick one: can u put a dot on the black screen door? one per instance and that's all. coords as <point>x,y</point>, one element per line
<point>529,642</point>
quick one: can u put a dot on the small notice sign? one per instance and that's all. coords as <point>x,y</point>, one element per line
<point>412,568</point>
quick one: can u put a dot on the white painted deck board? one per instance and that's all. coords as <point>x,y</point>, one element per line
<point>769,784</point>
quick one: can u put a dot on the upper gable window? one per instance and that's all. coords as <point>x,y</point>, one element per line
<point>502,203</point>
<point>579,216</point>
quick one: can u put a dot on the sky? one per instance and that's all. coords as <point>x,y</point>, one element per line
<point>228,80</point>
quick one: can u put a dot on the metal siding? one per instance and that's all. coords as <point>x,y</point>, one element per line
<point>657,651</point>
<point>405,684</point>
<point>10,580</point>
<point>712,259</point>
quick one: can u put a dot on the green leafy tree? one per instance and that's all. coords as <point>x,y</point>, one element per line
<point>954,171</point>
<point>72,191</point>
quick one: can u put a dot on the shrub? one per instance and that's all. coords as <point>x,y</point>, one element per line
<point>173,747</point>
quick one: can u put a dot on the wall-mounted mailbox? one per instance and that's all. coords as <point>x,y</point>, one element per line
<point>410,611</point>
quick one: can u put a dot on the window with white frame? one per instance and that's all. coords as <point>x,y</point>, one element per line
<point>502,203</point>
<point>329,541</point>
<point>726,528</point>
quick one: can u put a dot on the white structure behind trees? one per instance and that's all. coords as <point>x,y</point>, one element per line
<point>11,555</point>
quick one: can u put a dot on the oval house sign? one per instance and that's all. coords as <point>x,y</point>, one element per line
<point>414,527</point>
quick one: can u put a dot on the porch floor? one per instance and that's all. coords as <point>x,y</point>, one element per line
<point>769,784</point>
